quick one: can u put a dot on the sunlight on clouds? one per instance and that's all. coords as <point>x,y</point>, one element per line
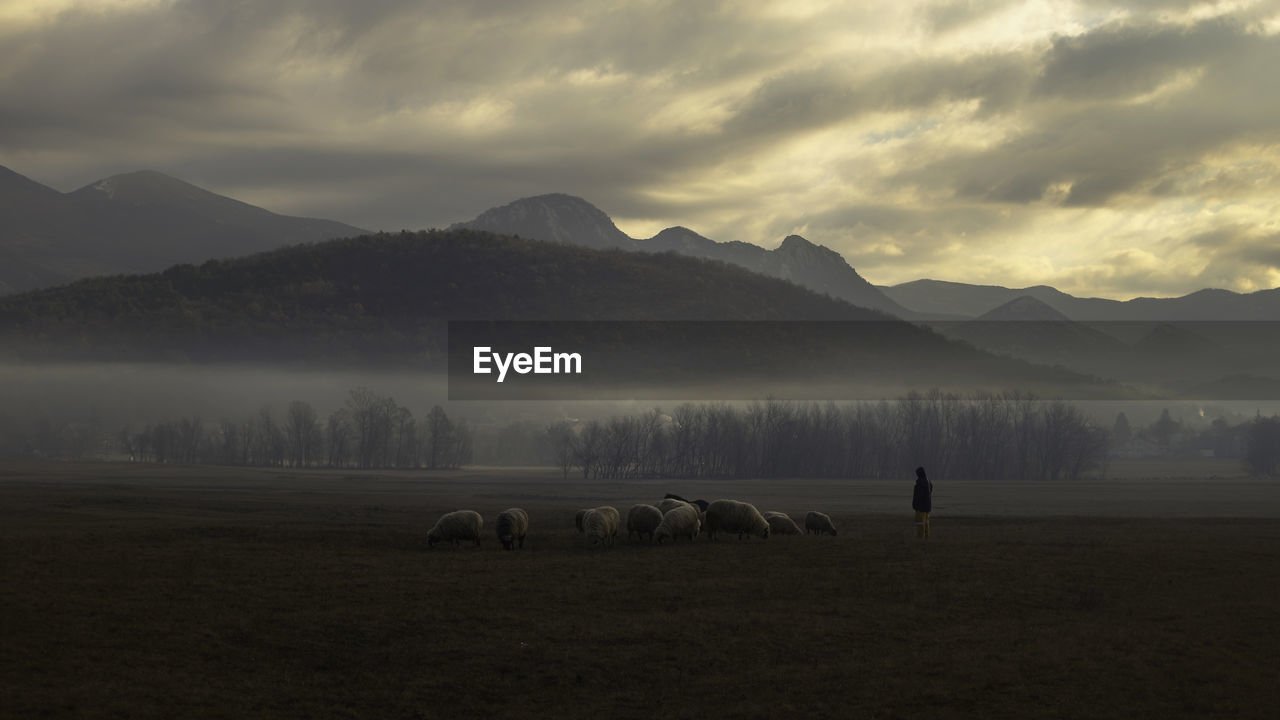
<point>861,125</point>
<point>1017,26</point>
<point>595,77</point>
<point>1179,82</point>
<point>35,11</point>
<point>1208,11</point>
<point>691,114</point>
<point>1246,172</point>
<point>796,9</point>
<point>478,116</point>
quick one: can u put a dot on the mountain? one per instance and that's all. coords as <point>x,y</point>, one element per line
<point>556,218</point>
<point>1030,329</point>
<point>1023,309</point>
<point>937,297</point>
<point>572,220</point>
<point>136,222</point>
<point>1170,358</point>
<point>384,300</point>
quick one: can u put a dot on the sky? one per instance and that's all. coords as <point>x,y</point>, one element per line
<point>1110,149</point>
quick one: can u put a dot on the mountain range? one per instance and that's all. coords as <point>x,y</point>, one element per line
<point>386,300</point>
<point>583,267</point>
<point>940,299</point>
<point>135,222</point>
<point>145,221</point>
<point>571,220</point>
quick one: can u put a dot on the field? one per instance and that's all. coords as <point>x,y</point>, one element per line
<point>159,591</point>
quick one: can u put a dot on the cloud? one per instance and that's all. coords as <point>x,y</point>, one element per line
<point>955,138</point>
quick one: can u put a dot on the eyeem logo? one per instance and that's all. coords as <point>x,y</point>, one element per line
<point>541,362</point>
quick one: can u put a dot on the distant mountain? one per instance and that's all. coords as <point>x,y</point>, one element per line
<point>1023,309</point>
<point>1172,358</point>
<point>1236,387</point>
<point>556,218</point>
<point>136,222</point>
<point>385,300</point>
<point>572,220</point>
<point>937,297</point>
<point>1029,329</point>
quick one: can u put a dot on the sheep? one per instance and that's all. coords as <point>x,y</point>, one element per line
<point>678,522</point>
<point>577,519</point>
<point>455,527</point>
<point>669,503</point>
<point>512,526</point>
<point>601,524</point>
<point>781,524</point>
<point>818,523</point>
<point>733,516</point>
<point>642,519</point>
<point>699,503</point>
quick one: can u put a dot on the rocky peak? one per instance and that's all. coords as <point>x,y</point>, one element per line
<point>556,217</point>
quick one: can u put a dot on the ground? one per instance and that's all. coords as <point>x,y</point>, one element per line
<point>160,591</point>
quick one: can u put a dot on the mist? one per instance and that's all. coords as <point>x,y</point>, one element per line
<point>139,411</point>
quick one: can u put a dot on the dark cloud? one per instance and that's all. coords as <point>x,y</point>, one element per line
<point>403,113</point>
<point>1124,61</point>
<point>818,97</point>
<point>1101,146</point>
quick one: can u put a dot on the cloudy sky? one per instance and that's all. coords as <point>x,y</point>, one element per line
<point>1107,148</point>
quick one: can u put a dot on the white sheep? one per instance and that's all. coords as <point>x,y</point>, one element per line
<point>601,524</point>
<point>668,503</point>
<point>678,522</point>
<point>781,524</point>
<point>455,527</point>
<point>643,519</point>
<point>512,525</point>
<point>818,523</point>
<point>733,516</point>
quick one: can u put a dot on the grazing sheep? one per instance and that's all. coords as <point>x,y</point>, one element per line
<point>577,519</point>
<point>643,519</point>
<point>455,527</point>
<point>699,503</point>
<point>818,523</point>
<point>601,524</point>
<point>781,524</point>
<point>679,521</point>
<point>512,525</point>
<point>732,516</point>
<point>669,503</point>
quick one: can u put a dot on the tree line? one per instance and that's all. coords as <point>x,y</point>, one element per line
<point>991,436</point>
<point>368,431</point>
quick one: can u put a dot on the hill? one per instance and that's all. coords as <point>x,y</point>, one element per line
<point>136,222</point>
<point>937,298</point>
<point>384,300</point>
<point>572,220</point>
<point>1023,309</point>
<point>1029,329</point>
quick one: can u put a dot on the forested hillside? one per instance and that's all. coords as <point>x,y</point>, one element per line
<point>382,298</point>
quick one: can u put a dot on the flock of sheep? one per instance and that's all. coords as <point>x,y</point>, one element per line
<point>672,518</point>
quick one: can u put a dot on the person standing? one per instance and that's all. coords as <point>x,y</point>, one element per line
<point>922,503</point>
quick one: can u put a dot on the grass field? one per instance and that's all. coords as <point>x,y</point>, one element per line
<point>150,591</point>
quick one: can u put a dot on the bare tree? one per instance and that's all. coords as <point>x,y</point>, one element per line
<point>302,433</point>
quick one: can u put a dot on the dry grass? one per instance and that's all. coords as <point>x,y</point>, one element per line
<point>313,596</point>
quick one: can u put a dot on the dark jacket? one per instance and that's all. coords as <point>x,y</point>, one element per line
<point>922,498</point>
